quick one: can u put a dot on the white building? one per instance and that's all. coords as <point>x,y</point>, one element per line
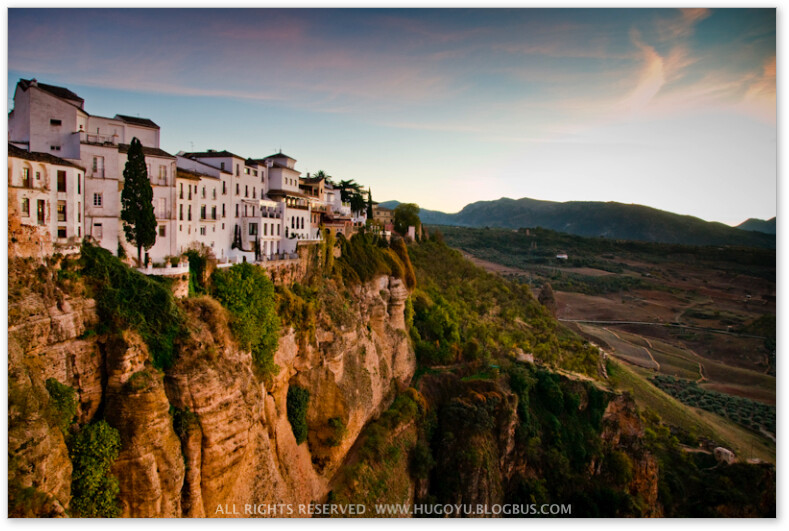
<point>51,119</point>
<point>48,192</point>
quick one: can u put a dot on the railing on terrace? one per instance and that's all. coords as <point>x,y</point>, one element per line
<point>96,138</point>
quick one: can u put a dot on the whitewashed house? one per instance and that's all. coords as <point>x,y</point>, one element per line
<point>47,192</point>
<point>51,119</point>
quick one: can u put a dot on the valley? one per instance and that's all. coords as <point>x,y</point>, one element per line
<point>702,316</point>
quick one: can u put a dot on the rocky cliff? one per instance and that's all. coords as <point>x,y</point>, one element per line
<point>206,434</point>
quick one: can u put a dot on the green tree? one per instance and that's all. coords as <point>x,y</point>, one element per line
<point>297,402</point>
<point>358,203</point>
<point>406,215</point>
<point>94,490</point>
<point>139,221</point>
<point>369,204</point>
<point>348,189</point>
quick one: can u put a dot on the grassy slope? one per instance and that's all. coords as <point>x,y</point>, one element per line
<point>743,442</point>
<point>610,220</point>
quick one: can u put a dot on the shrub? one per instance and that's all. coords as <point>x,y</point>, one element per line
<point>62,402</point>
<point>297,402</point>
<point>94,491</point>
<point>197,267</point>
<point>421,460</point>
<point>248,295</point>
<point>183,419</point>
<point>127,298</point>
<point>338,431</point>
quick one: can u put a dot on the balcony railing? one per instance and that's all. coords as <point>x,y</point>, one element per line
<point>96,138</point>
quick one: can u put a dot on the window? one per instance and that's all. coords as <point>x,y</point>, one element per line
<point>265,229</point>
<point>254,190</point>
<point>213,193</point>
<point>224,188</point>
<point>203,192</point>
<point>181,212</point>
<point>79,183</point>
<point>53,121</point>
<point>61,232</point>
<point>279,227</point>
<point>38,175</point>
<point>79,231</point>
<point>181,192</point>
<point>79,212</point>
<point>163,174</point>
<point>162,230</point>
<point>262,193</point>
<point>26,178</point>
<point>61,181</point>
<point>255,173</point>
<point>246,191</point>
<point>25,206</point>
<point>97,201</point>
<point>221,165</point>
<point>246,211</point>
<point>202,231</point>
<point>253,229</point>
<point>61,211</point>
<point>213,212</point>
<point>189,214</point>
<point>246,171</point>
<point>98,166</point>
<point>97,231</point>
<point>236,210</point>
<point>238,189</point>
<point>190,192</point>
<point>202,211</point>
<point>54,148</point>
<point>238,172</point>
<point>223,210</point>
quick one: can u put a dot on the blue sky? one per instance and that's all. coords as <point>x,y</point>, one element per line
<point>669,108</point>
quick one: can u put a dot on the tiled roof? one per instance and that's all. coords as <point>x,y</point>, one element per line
<point>277,156</point>
<point>153,152</point>
<point>145,122</point>
<point>182,173</point>
<point>210,154</point>
<point>60,92</point>
<point>19,153</point>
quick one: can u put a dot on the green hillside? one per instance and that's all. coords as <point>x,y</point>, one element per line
<point>591,218</point>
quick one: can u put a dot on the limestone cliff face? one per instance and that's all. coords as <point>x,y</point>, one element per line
<point>243,450</point>
<point>43,342</point>
<point>623,429</point>
<point>238,446</point>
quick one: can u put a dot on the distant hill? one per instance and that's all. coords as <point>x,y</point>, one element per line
<point>758,225</point>
<point>594,218</point>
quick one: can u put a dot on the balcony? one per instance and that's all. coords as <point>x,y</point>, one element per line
<point>162,214</point>
<point>97,139</point>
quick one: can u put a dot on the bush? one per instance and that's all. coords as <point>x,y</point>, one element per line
<point>127,298</point>
<point>197,267</point>
<point>297,402</point>
<point>338,431</point>
<point>421,460</point>
<point>62,402</point>
<point>94,491</point>
<point>248,295</point>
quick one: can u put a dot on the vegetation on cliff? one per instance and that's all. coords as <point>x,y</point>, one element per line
<point>248,294</point>
<point>462,313</point>
<point>128,299</point>
<point>94,490</point>
<point>297,403</point>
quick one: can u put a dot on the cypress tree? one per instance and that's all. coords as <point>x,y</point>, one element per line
<point>139,220</point>
<point>369,204</point>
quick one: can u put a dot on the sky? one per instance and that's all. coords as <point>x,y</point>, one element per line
<point>674,109</point>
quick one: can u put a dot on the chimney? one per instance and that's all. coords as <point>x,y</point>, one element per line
<point>34,82</point>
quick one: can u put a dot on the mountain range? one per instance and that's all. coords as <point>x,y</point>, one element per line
<point>601,219</point>
<point>766,226</point>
